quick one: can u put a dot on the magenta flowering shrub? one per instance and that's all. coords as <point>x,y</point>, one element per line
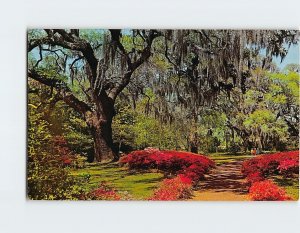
<point>192,166</point>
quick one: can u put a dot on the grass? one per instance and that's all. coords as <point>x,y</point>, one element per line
<point>138,185</point>
<point>291,185</point>
<point>220,158</point>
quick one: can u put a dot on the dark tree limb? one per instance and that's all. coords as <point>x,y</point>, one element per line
<point>61,87</point>
<point>132,66</point>
<point>41,56</point>
<point>60,37</point>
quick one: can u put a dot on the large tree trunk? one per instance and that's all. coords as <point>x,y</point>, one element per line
<point>193,143</point>
<point>104,149</point>
<point>100,123</point>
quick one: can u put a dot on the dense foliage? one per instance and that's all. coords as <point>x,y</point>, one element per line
<point>47,177</point>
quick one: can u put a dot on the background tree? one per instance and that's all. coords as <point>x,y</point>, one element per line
<point>190,73</point>
<point>100,79</point>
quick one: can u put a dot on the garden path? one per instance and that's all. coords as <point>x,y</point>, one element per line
<point>224,183</point>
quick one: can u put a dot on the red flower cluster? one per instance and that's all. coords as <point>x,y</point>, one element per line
<point>191,165</point>
<point>264,165</point>
<point>104,192</point>
<point>173,189</point>
<point>254,177</point>
<point>66,155</point>
<point>260,167</point>
<point>61,148</point>
<point>267,191</point>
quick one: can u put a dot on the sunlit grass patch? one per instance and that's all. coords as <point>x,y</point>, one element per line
<point>220,158</point>
<point>291,185</point>
<point>138,185</point>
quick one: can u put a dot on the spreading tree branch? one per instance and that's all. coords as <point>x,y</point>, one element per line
<point>132,65</point>
<point>66,93</point>
<point>60,37</point>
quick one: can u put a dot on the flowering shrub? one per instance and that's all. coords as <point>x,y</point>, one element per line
<point>173,189</point>
<point>260,167</point>
<point>288,167</point>
<point>254,177</point>
<point>267,191</point>
<point>283,162</point>
<point>67,157</point>
<point>104,192</point>
<point>191,165</point>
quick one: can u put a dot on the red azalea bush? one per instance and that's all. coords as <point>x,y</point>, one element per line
<point>267,191</point>
<point>192,165</point>
<point>260,167</point>
<point>104,192</point>
<point>254,177</point>
<point>173,189</point>
<point>270,164</point>
<point>288,167</point>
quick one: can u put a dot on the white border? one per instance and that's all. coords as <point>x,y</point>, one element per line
<point>18,215</point>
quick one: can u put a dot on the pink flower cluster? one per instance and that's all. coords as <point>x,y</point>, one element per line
<point>190,165</point>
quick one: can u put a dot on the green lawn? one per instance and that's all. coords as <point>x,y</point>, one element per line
<point>221,158</point>
<point>291,185</point>
<point>138,185</point>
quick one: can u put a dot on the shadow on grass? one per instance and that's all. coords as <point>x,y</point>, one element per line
<point>149,180</point>
<point>285,182</point>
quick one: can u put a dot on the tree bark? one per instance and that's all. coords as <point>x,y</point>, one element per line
<point>100,123</point>
<point>194,143</point>
<point>104,149</point>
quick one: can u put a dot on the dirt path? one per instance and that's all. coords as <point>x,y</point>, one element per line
<point>224,183</point>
